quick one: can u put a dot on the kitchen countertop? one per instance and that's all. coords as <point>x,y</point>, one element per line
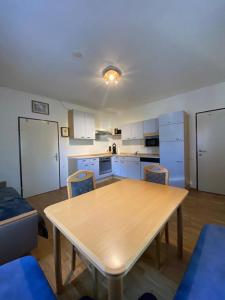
<point>110,154</point>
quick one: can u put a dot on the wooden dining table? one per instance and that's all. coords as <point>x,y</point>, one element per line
<point>112,226</point>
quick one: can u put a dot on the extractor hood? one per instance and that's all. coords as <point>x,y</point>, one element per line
<point>103,132</point>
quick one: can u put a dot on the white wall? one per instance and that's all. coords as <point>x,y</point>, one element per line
<point>207,98</point>
<point>14,103</point>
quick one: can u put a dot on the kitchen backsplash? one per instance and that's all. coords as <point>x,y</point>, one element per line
<point>133,146</point>
<point>102,143</point>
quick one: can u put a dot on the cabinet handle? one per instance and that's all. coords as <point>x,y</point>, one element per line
<point>82,137</point>
<point>88,137</point>
<point>179,161</point>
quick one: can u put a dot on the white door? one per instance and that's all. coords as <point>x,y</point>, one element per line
<point>39,156</point>
<point>211,149</point>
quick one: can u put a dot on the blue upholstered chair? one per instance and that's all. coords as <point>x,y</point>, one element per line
<point>79,183</point>
<point>23,279</point>
<point>157,174</point>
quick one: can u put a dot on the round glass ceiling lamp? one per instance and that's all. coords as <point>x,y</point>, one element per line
<point>111,75</point>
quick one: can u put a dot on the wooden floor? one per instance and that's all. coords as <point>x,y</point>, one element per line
<point>199,208</point>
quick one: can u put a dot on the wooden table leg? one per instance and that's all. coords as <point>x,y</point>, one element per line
<point>95,283</point>
<point>57,258</point>
<point>179,232</point>
<point>115,288</point>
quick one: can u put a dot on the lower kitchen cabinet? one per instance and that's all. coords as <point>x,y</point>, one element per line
<point>133,169</point>
<point>89,164</point>
<point>116,167</point>
<point>130,167</point>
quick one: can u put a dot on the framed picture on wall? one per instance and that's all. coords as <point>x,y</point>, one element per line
<point>40,107</point>
<point>64,131</point>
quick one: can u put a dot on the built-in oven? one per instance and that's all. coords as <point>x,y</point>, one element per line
<point>105,165</point>
<point>152,141</point>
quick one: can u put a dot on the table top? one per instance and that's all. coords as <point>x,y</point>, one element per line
<point>112,226</point>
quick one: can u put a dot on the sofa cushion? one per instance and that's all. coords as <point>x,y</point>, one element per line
<point>11,204</point>
<point>23,279</point>
<point>205,275</point>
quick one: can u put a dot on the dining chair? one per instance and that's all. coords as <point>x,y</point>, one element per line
<point>79,183</point>
<point>158,174</point>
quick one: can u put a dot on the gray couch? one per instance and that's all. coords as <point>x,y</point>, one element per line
<point>18,225</point>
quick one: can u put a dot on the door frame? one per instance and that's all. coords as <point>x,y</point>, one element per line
<point>20,152</point>
<point>196,134</point>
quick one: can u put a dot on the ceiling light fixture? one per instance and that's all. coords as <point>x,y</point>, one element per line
<point>111,75</point>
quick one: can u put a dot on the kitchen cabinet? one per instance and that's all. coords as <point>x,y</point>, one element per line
<point>151,127</point>
<point>82,164</point>
<point>172,118</point>
<point>89,164</point>
<point>116,168</point>
<point>126,132</point>
<point>130,167</point>
<point>94,166</point>
<point>133,169</point>
<point>137,131</point>
<point>89,126</point>
<point>172,132</point>
<point>81,125</point>
<point>132,131</point>
<point>123,171</point>
<point>174,147</point>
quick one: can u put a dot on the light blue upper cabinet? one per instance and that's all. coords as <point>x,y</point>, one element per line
<point>172,118</point>
<point>133,131</point>
<point>137,131</point>
<point>151,127</point>
<point>126,132</point>
<point>81,125</point>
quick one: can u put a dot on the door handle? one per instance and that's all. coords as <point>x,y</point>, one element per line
<point>56,156</point>
<point>202,151</point>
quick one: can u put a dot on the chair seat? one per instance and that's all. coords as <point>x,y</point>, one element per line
<point>24,279</point>
<point>205,276</point>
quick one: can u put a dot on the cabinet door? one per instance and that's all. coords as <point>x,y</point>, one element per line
<point>89,126</point>
<point>172,118</point>
<point>151,127</point>
<point>172,158</point>
<point>83,164</point>
<point>133,169</point>
<point>136,130</point>
<point>94,166</point>
<point>79,124</point>
<point>172,132</point>
<point>116,166</point>
<point>123,171</point>
<point>126,132</point>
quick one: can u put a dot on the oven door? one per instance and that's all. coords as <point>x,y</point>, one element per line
<point>105,165</point>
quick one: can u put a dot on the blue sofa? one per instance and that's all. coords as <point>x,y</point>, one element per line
<point>23,279</point>
<point>19,225</point>
<point>205,275</point>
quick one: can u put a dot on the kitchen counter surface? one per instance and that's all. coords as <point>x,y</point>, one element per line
<point>110,154</point>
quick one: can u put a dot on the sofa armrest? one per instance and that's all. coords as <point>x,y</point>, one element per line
<point>18,218</point>
<point>3,184</point>
<point>18,236</point>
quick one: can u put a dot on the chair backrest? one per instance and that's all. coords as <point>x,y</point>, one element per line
<point>156,173</point>
<point>80,182</point>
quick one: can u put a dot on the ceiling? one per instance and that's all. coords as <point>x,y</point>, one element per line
<point>162,47</point>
